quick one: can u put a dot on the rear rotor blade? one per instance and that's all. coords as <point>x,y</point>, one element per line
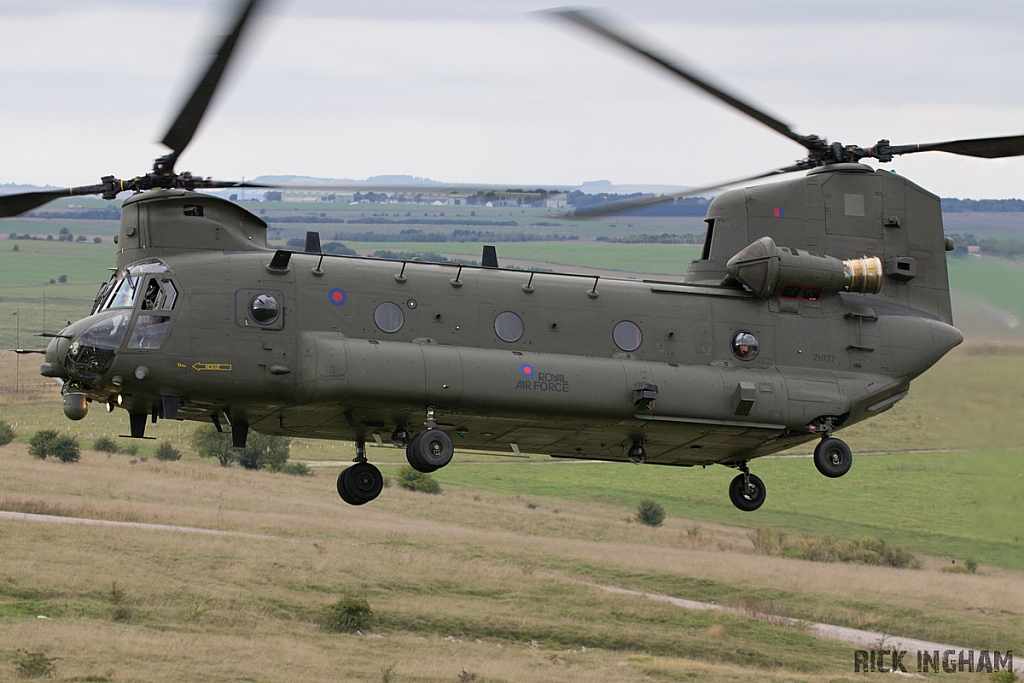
<point>986,148</point>
<point>589,21</point>
<point>184,127</point>
<point>612,208</point>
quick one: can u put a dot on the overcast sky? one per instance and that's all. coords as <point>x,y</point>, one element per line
<point>488,92</point>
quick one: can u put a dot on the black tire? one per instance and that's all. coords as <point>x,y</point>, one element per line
<point>362,482</point>
<point>343,491</point>
<point>749,495</point>
<point>833,457</point>
<point>412,455</point>
<point>429,451</point>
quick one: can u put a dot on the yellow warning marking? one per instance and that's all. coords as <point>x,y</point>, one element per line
<point>226,367</point>
<point>182,365</point>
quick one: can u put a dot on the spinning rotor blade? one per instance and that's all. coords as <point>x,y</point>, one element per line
<point>986,148</point>
<point>184,127</point>
<point>652,200</point>
<point>589,21</point>
<point>16,204</point>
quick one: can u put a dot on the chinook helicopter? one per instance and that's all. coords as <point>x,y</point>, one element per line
<point>814,304</point>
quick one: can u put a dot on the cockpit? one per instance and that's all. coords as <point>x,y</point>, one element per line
<point>138,305</point>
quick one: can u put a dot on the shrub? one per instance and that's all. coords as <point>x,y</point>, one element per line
<point>65,449</point>
<point>300,469</point>
<point>414,480</point>
<point>650,512</point>
<point>39,444</point>
<point>6,433</point>
<point>34,664</point>
<point>770,541</point>
<point>105,444</point>
<point>348,615</point>
<point>1004,676</point>
<point>129,448</point>
<point>260,452</point>
<point>165,451</point>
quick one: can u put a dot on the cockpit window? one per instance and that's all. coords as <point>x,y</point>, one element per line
<point>149,331</point>
<point>124,293</point>
<point>160,295</point>
<point>105,334</point>
<point>147,266</point>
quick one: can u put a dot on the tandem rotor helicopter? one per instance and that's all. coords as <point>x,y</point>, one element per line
<point>814,303</point>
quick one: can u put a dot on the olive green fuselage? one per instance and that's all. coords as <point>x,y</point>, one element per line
<point>360,348</point>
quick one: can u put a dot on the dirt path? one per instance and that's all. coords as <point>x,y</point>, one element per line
<point>867,640</point>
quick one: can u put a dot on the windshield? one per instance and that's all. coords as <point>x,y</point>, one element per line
<point>124,293</point>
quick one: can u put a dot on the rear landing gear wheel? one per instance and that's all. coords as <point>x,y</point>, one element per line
<point>747,492</point>
<point>833,457</point>
<point>360,483</point>
<point>430,450</point>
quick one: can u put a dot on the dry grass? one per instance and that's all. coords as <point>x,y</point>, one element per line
<point>464,581</point>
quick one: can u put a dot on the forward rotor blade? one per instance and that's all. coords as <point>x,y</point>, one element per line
<point>612,208</point>
<point>17,204</point>
<point>445,188</point>
<point>986,148</point>
<point>589,21</point>
<point>184,127</point>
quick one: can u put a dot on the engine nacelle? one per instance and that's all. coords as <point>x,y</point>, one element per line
<point>768,270</point>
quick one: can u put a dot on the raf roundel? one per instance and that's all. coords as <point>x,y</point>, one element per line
<point>527,370</point>
<point>337,296</point>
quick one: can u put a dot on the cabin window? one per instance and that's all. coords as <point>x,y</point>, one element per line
<point>745,345</point>
<point>508,326</point>
<point>389,317</point>
<point>627,336</point>
<point>264,309</point>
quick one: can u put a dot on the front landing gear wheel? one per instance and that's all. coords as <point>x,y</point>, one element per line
<point>430,450</point>
<point>360,483</point>
<point>747,492</point>
<point>833,457</point>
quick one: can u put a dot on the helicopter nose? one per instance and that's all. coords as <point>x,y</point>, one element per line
<point>56,351</point>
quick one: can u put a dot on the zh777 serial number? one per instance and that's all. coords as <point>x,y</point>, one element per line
<point>824,358</point>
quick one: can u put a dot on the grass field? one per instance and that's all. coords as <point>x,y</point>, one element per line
<point>496,585</point>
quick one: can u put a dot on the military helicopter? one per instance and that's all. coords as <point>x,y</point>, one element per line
<point>814,303</point>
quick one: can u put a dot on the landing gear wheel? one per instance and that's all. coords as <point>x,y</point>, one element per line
<point>360,483</point>
<point>833,457</point>
<point>343,491</point>
<point>430,450</point>
<point>747,492</point>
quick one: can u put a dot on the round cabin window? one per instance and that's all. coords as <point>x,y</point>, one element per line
<point>744,345</point>
<point>508,326</point>
<point>264,309</point>
<point>389,317</point>
<point>627,336</point>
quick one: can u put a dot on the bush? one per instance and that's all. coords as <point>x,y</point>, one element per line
<point>348,615</point>
<point>165,451</point>
<point>260,452</point>
<point>129,448</point>
<point>34,664</point>
<point>39,444</point>
<point>650,512</point>
<point>65,449</point>
<point>414,480</point>
<point>300,469</point>
<point>862,550</point>
<point>6,433</point>
<point>105,444</point>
